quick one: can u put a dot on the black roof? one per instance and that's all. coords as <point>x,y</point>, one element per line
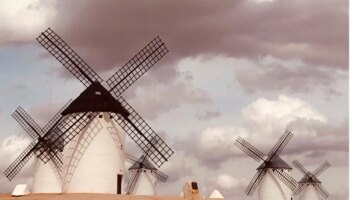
<point>278,163</point>
<point>95,98</point>
<point>309,178</point>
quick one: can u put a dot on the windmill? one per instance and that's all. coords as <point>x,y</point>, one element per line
<point>104,173</point>
<point>144,176</point>
<point>309,187</point>
<point>273,175</point>
<point>47,178</point>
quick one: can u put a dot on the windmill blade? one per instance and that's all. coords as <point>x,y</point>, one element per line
<point>255,182</point>
<point>130,158</point>
<point>286,179</point>
<point>321,169</point>
<point>249,149</point>
<point>299,188</point>
<point>56,157</point>
<point>54,121</point>
<point>322,190</point>
<point>143,134</point>
<point>300,167</point>
<point>159,175</point>
<point>67,56</point>
<point>27,123</point>
<point>66,130</point>
<point>132,182</point>
<point>20,161</point>
<point>279,146</point>
<point>137,66</point>
<point>55,162</point>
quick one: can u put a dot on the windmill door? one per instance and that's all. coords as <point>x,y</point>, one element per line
<point>119,183</point>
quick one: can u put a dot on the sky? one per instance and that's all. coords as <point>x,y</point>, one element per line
<point>249,68</point>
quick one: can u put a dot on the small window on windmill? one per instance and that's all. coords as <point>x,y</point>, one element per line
<point>98,92</point>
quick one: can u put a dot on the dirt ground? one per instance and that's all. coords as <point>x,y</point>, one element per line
<point>87,197</point>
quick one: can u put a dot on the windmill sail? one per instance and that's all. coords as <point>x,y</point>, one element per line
<point>310,182</point>
<point>271,167</point>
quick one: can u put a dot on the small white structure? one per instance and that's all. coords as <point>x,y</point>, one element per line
<point>20,190</point>
<point>94,161</point>
<point>46,178</point>
<point>216,195</point>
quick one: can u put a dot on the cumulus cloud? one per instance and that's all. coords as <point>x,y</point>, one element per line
<point>227,182</point>
<point>314,134</point>
<point>22,20</point>
<point>277,114</point>
<point>264,120</point>
<point>213,145</point>
<point>10,148</point>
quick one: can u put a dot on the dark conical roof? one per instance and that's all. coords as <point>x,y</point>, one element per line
<point>309,178</point>
<point>95,98</point>
<point>278,163</point>
<point>142,163</point>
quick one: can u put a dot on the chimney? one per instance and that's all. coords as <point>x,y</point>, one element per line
<point>191,191</point>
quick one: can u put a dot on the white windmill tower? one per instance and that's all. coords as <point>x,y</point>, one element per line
<point>100,113</point>
<point>47,176</point>
<point>309,187</point>
<point>144,176</point>
<point>273,176</point>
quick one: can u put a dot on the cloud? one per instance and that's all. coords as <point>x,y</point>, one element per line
<point>264,120</point>
<point>276,114</point>
<point>282,29</point>
<point>43,112</point>
<point>10,148</point>
<point>314,134</point>
<point>213,145</point>
<point>22,20</point>
<point>208,115</point>
<point>227,182</point>
<point>271,74</point>
<point>152,100</point>
<point>294,33</point>
<point>178,161</point>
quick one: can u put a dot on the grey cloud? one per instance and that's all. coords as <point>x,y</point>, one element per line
<point>324,137</point>
<point>153,100</point>
<point>106,34</point>
<point>43,112</point>
<point>235,28</point>
<point>110,32</point>
<point>276,77</point>
<point>208,115</point>
<point>342,194</point>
